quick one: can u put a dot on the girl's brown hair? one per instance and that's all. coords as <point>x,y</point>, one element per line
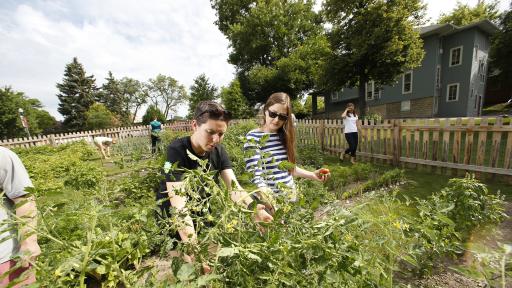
<point>287,132</point>
<point>354,112</point>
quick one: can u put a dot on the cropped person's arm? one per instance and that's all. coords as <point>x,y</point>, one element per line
<point>26,210</point>
<point>187,232</point>
<point>241,197</point>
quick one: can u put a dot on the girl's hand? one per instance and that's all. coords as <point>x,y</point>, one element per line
<point>322,174</point>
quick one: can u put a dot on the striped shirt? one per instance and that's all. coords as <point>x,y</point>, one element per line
<point>262,159</point>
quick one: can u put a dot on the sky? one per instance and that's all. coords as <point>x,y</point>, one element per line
<point>137,39</point>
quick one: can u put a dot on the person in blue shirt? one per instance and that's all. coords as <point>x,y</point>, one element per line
<point>156,129</point>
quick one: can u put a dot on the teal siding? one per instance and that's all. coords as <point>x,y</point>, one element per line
<point>456,74</point>
<point>424,77</point>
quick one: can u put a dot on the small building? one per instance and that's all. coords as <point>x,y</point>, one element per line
<point>449,83</point>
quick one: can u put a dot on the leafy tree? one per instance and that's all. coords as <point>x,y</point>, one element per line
<point>275,44</point>
<point>45,122</point>
<point>112,97</point>
<point>234,101</point>
<point>76,95</point>
<point>464,14</point>
<point>99,117</point>
<point>501,51</point>
<point>151,113</point>
<point>201,90</point>
<point>166,90</point>
<point>135,94</point>
<point>299,109</point>
<point>371,40</point>
<point>39,120</point>
<point>308,105</point>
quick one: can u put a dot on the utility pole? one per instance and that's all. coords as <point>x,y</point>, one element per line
<point>24,121</point>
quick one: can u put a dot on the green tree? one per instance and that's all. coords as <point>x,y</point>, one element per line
<point>167,91</point>
<point>299,109</point>
<point>308,105</point>
<point>76,95</point>
<point>135,94</point>
<point>501,52</point>
<point>10,123</point>
<point>45,122</point>
<point>112,97</point>
<point>99,117</point>
<point>371,40</point>
<point>234,101</point>
<point>201,90</point>
<point>275,44</point>
<point>464,14</point>
<point>152,112</point>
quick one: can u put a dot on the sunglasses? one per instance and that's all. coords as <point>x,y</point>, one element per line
<point>216,114</point>
<point>273,115</point>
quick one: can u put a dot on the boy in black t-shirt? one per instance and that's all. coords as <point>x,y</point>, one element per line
<point>209,125</point>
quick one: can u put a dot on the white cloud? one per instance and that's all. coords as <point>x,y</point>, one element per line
<point>437,7</point>
<point>138,39</point>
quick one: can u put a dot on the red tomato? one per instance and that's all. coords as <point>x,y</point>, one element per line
<point>324,171</point>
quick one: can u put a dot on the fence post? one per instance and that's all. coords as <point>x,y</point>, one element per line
<point>52,140</point>
<point>397,142</point>
<point>322,134</point>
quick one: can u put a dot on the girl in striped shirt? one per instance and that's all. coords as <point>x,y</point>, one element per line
<point>272,143</point>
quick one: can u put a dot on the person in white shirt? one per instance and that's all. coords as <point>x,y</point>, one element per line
<point>350,123</point>
<point>18,244</point>
<point>104,143</point>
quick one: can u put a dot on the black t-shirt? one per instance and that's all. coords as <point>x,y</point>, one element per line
<point>218,160</point>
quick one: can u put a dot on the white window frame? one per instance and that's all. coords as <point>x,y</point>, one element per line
<point>407,107</point>
<point>337,94</point>
<point>481,70</point>
<point>476,98</point>
<point>371,83</point>
<point>448,92</point>
<point>403,82</point>
<point>460,55</point>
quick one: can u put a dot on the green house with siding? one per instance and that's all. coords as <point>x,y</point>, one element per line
<point>449,83</point>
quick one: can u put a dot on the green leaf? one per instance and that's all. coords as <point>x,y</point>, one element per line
<point>186,272</point>
<point>226,252</point>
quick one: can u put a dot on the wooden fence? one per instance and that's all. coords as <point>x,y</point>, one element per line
<point>119,133</point>
<point>468,144</point>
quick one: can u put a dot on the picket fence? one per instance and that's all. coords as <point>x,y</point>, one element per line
<point>119,133</point>
<point>469,144</point>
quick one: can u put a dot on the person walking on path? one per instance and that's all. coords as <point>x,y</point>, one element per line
<point>156,129</point>
<point>350,123</point>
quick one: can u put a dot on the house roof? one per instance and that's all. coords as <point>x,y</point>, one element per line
<point>444,29</point>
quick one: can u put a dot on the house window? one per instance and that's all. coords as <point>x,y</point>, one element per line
<point>476,98</point>
<point>481,70</point>
<point>372,90</point>
<point>405,105</point>
<point>407,82</point>
<point>452,92</point>
<point>336,96</point>
<point>438,76</point>
<point>456,56</point>
<point>475,53</point>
